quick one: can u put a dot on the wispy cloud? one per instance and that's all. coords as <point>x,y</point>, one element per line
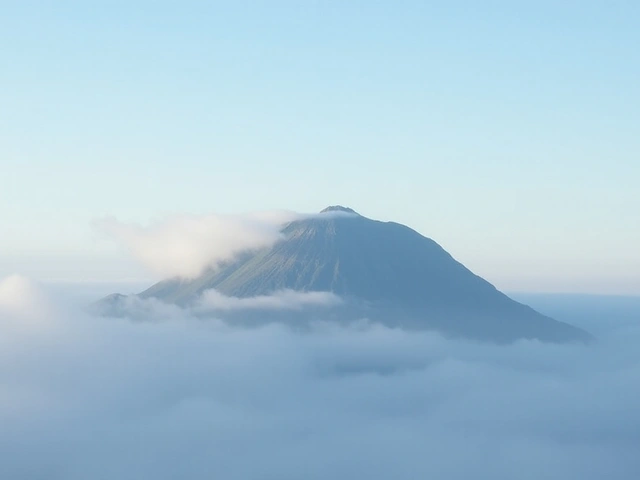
<point>280,300</point>
<point>186,245</point>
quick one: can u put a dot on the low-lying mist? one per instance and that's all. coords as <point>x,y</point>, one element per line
<point>84,397</point>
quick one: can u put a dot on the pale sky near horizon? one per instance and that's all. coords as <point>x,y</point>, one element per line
<point>506,131</point>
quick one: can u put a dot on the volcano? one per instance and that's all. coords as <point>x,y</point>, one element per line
<point>384,271</point>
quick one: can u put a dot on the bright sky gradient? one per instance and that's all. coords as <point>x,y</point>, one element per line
<point>508,131</point>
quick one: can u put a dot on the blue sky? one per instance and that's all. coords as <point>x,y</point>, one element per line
<point>506,131</point>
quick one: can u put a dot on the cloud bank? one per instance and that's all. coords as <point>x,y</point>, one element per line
<point>23,304</point>
<point>185,245</point>
<point>187,398</point>
<point>281,300</point>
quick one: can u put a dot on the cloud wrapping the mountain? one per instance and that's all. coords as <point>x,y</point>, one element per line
<point>185,245</point>
<point>190,398</point>
<point>212,303</point>
<point>281,300</point>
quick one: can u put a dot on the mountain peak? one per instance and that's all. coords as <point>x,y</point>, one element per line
<point>339,208</point>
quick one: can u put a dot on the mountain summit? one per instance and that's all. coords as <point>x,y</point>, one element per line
<point>383,271</point>
<point>339,208</point>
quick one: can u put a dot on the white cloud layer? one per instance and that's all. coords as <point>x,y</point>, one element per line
<point>280,300</point>
<point>23,305</point>
<point>185,245</point>
<point>112,399</point>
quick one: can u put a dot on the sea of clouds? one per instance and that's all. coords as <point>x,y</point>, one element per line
<point>177,397</point>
